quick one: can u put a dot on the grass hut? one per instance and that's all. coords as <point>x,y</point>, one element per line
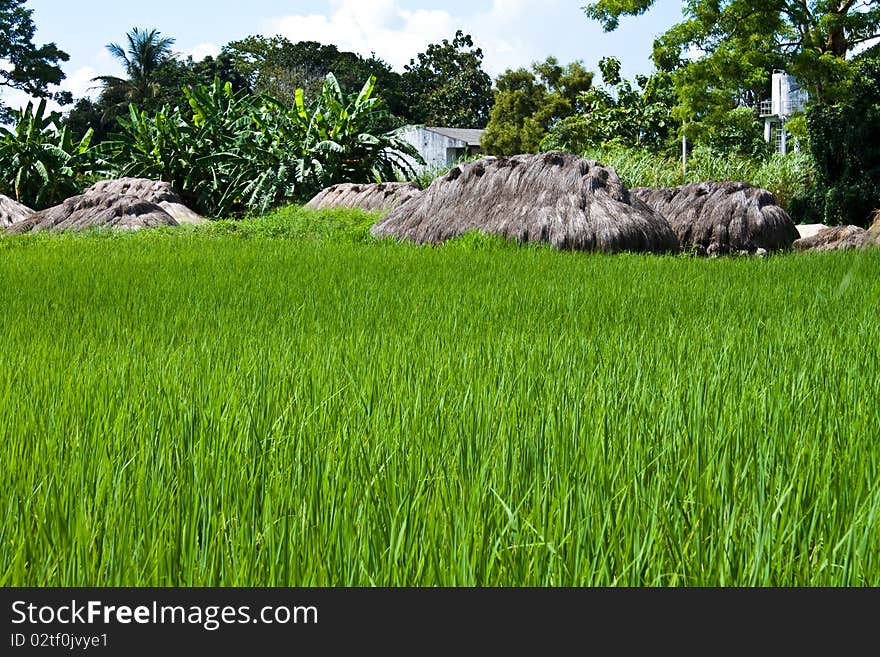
<point>377,197</point>
<point>12,212</point>
<point>834,238</point>
<point>717,218</point>
<point>125,204</point>
<point>561,199</point>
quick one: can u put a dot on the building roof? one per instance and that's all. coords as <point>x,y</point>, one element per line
<point>469,136</point>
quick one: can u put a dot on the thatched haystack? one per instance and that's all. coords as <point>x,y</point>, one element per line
<point>152,191</point>
<point>376,197</point>
<point>12,212</point>
<point>97,211</point>
<point>554,197</point>
<point>874,231</point>
<point>125,204</point>
<point>835,238</point>
<point>717,218</point>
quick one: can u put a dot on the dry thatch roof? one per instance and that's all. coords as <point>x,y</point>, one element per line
<point>96,210</point>
<point>127,203</point>
<point>716,218</point>
<point>835,238</point>
<point>152,191</point>
<point>874,230</point>
<point>382,197</point>
<point>554,197</point>
<point>12,212</point>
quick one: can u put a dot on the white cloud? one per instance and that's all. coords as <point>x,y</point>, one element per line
<point>81,83</point>
<point>367,26</point>
<point>397,34</point>
<point>203,50</point>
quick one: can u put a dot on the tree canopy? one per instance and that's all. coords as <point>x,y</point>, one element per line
<point>446,85</point>
<point>627,114</point>
<point>144,54</point>
<point>740,41</point>
<point>278,67</point>
<point>528,103</point>
<point>31,69</point>
<point>845,143</point>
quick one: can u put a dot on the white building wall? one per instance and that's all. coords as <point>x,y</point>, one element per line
<point>438,151</point>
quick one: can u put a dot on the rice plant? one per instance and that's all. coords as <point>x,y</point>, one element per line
<point>196,408</point>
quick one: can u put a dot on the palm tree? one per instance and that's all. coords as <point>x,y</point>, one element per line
<point>145,54</point>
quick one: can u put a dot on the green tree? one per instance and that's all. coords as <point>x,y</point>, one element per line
<point>86,115</point>
<point>813,37</point>
<point>845,143</point>
<point>529,103</point>
<point>30,68</point>
<point>222,66</point>
<point>447,86</point>
<point>620,112</point>
<point>146,54</point>
<point>41,164</point>
<point>278,67</point>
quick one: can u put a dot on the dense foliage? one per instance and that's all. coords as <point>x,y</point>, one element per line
<point>528,103</point>
<point>619,112</point>
<point>446,85</point>
<point>27,67</point>
<point>741,41</point>
<point>845,141</point>
<point>41,164</point>
<point>233,152</point>
<point>278,67</point>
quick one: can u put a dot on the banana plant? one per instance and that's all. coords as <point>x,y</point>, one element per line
<point>40,162</point>
<point>235,153</point>
<point>340,144</point>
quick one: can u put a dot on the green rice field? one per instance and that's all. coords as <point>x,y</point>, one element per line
<point>284,402</point>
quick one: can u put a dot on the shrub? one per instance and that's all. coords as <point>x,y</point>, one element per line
<point>233,153</point>
<point>40,163</point>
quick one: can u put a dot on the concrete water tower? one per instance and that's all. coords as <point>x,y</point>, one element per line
<point>787,98</point>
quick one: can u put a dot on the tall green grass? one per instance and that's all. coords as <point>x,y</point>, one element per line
<point>201,409</point>
<point>787,176</point>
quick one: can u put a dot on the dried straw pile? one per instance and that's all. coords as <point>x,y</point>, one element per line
<point>835,238</point>
<point>381,197</point>
<point>717,218</point>
<point>126,204</point>
<point>554,197</point>
<point>12,212</point>
<point>152,191</point>
<point>874,230</point>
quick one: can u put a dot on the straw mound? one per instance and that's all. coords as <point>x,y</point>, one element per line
<point>12,212</point>
<point>717,218</point>
<point>152,191</point>
<point>127,204</point>
<point>874,230</point>
<point>835,238</point>
<point>381,197</point>
<point>554,197</point>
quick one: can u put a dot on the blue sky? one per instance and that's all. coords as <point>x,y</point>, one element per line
<point>512,33</point>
